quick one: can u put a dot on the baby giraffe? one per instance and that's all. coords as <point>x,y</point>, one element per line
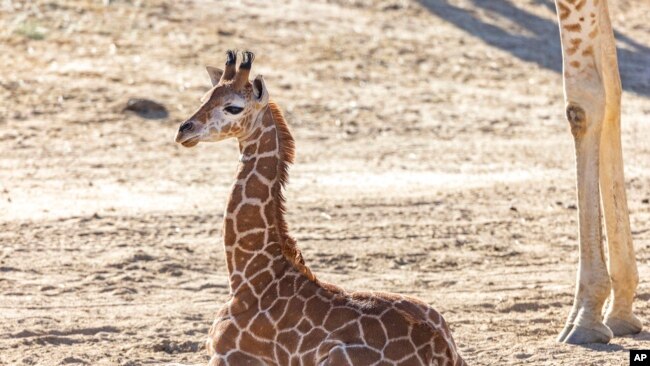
<point>278,312</point>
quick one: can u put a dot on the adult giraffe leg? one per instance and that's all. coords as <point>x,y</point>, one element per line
<point>584,324</point>
<point>622,263</point>
<point>621,259</point>
<point>585,96</point>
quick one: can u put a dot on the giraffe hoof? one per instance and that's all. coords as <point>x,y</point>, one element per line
<point>623,327</point>
<point>565,332</point>
<point>583,335</point>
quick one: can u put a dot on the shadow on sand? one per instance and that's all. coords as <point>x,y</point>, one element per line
<point>541,42</point>
<point>643,336</point>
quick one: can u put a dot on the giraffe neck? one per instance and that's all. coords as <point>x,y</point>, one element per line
<point>258,247</point>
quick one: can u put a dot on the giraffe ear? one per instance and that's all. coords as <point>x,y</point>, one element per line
<point>259,90</point>
<point>215,74</point>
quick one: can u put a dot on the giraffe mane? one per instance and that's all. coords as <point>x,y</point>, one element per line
<point>287,148</point>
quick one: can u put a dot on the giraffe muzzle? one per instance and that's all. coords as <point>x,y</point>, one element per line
<point>186,135</point>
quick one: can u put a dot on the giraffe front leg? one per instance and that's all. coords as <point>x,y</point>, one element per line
<point>622,262</point>
<point>621,259</point>
<point>583,46</point>
<point>584,324</point>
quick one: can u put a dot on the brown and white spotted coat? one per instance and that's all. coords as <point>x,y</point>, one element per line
<point>279,313</point>
<point>592,89</point>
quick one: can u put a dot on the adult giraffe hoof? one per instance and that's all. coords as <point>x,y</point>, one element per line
<point>577,334</point>
<point>624,326</point>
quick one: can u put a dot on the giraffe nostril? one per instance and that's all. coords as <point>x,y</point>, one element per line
<point>186,127</point>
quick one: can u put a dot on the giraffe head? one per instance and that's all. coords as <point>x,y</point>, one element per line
<point>230,108</point>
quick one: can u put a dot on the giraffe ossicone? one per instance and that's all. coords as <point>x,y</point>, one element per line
<point>279,313</point>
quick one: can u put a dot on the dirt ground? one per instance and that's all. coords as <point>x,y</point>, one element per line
<point>433,159</point>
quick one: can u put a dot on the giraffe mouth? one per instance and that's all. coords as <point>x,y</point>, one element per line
<point>191,142</point>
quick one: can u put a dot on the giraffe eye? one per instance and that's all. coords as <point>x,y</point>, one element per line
<point>233,110</point>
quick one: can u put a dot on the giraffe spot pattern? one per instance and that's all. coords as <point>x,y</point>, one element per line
<point>580,31</point>
<point>249,218</point>
<point>256,189</point>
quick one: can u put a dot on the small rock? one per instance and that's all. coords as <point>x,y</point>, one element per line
<point>225,32</point>
<point>69,360</point>
<point>172,347</point>
<point>146,108</point>
<point>392,7</point>
<point>645,200</point>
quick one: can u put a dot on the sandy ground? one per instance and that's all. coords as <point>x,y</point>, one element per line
<point>433,159</point>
